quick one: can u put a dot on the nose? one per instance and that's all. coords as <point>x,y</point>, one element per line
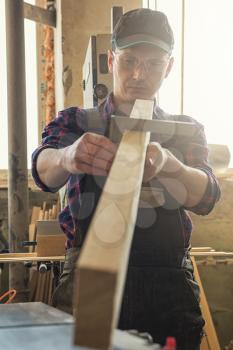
<point>140,71</point>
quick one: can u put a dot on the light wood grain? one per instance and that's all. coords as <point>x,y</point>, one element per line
<point>212,254</point>
<point>202,249</point>
<point>210,341</point>
<point>35,214</point>
<point>21,257</point>
<point>102,266</point>
<point>49,245</point>
<point>204,344</point>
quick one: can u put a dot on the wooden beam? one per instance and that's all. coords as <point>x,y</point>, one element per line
<point>38,14</point>
<point>116,13</point>
<point>213,254</point>
<point>101,269</point>
<point>210,341</point>
<point>22,257</point>
<point>201,249</point>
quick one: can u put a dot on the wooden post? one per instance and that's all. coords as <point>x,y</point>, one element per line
<point>17,141</point>
<point>117,12</point>
<point>210,340</point>
<point>101,269</point>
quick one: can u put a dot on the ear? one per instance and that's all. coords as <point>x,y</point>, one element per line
<point>110,61</point>
<point>169,67</point>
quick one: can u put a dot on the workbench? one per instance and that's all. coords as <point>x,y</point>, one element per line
<point>27,326</point>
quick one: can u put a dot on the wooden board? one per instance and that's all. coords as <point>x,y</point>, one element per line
<point>35,214</point>
<point>51,227</point>
<point>213,254</point>
<point>202,249</point>
<point>32,236</point>
<point>210,341</point>
<point>22,257</point>
<point>49,245</point>
<point>50,238</point>
<point>204,344</point>
<point>101,269</point>
<point>33,284</point>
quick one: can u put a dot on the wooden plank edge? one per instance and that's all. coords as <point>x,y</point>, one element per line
<point>104,288</point>
<point>38,14</point>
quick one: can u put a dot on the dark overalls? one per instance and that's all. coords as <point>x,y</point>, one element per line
<point>160,296</point>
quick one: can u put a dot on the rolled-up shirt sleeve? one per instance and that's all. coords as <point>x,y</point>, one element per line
<point>196,156</point>
<point>65,129</point>
<point>211,195</point>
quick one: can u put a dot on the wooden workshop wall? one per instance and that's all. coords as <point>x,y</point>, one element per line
<point>216,231</point>
<point>79,20</point>
<point>36,198</point>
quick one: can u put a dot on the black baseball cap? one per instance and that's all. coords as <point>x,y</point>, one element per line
<point>143,26</point>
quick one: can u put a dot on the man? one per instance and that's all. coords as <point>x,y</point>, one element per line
<point>161,296</point>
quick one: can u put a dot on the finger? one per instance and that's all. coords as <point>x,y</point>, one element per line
<point>96,151</point>
<point>152,151</point>
<point>93,161</point>
<point>149,161</point>
<point>154,154</point>
<point>88,169</point>
<point>102,141</point>
<point>94,156</point>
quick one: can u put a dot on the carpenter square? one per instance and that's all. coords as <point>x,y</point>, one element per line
<point>167,128</point>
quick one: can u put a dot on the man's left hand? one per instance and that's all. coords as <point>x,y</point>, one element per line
<point>156,158</point>
<point>160,162</point>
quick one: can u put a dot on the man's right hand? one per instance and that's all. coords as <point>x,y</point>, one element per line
<point>90,154</point>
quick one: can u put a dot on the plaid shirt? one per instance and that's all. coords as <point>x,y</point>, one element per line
<point>68,127</point>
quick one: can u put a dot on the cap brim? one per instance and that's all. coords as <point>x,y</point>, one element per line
<point>137,39</point>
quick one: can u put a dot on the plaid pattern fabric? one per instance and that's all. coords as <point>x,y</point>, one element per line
<point>69,125</point>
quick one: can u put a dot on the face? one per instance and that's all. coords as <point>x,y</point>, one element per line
<point>138,72</point>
